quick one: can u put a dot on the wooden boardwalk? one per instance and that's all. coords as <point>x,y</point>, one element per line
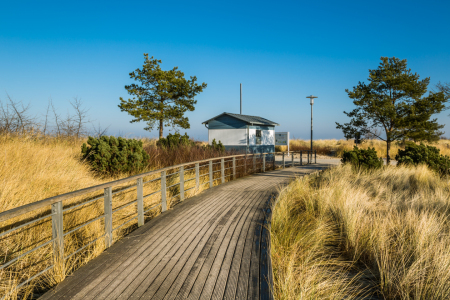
<point>211,246</point>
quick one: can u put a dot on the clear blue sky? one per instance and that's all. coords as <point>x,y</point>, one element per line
<point>280,51</point>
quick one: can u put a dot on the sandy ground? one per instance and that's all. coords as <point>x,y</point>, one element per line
<point>321,159</point>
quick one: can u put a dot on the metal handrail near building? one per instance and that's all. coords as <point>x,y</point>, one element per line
<point>182,178</point>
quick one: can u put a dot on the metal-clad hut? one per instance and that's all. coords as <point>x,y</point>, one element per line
<point>243,133</point>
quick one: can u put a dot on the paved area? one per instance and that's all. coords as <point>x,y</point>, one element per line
<point>330,161</point>
<point>211,246</point>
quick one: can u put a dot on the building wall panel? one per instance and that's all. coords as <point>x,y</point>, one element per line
<point>267,137</point>
<point>232,137</point>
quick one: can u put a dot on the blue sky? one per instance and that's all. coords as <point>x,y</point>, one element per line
<point>280,51</point>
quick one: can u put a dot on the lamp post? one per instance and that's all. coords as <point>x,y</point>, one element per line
<point>312,102</point>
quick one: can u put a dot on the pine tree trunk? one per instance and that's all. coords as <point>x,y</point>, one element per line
<point>388,149</point>
<point>161,129</point>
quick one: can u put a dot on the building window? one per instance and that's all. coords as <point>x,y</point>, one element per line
<point>258,137</point>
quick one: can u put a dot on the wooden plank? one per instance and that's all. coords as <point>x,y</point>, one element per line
<point>235,264</point>
<point>201,251</point>
<point>212,263</point>
<point>171,271</point>
<point>183,274</point>
<point>196,278</point>
<point>118,252</point>
<point>218,263</point>
<point>253,286</point>
<point>139,286</point>
<point>244,272</point>
<point>225,269</point>
<point>265,276</point>
<point>121,276</point>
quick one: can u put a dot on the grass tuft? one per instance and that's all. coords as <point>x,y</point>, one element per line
<point>346,234</point>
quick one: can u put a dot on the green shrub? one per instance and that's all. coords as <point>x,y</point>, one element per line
<point>362,158</point>
<point>110,155</point>
<point>422,154</point>
<point>217,146</point>
<point>174,141</point>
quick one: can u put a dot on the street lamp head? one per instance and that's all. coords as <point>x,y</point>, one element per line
<point>312,98</point>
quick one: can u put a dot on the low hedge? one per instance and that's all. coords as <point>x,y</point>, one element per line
<point>423,154</point>
<point>111,155</point>
<point>362,158</point>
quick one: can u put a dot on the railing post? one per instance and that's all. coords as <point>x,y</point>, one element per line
<point>292,157</point>
<point>283,161</point>
<point>211,182</point>
<point>315,156</point>
<point>58,233</point>
<point>301,158</point>
<point>234,168</point>
<point>182,183</point>
<point>163,192</point>
<point>254,163</point>
<point>245,165</point>
<point>108,217</point>
<point>274,166</point>
<point>140,201</point>
<point>264,163</point>
<point>222,169</point>
<point>197,176</point>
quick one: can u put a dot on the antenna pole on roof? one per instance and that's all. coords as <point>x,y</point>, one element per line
<point>241,98</point>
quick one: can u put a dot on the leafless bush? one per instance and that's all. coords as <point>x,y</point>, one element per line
<point>72,124</point>
<point>16,119</point>
<point>99,131</point>
<point>80,118</point>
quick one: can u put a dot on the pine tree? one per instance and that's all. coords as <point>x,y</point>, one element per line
<point>161,97</point>
<point>394,101</point>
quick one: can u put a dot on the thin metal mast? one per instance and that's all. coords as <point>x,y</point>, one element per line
<point>241,98</point>
<point>312,102</point>
<point>311,128</point>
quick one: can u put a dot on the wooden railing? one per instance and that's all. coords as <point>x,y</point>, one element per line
<point>172,184</point>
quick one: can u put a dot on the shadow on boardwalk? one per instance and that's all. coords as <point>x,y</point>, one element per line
<point>212,246</point>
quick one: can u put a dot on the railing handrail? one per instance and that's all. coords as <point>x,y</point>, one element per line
<point>17,211</point>
<point>57,208</point>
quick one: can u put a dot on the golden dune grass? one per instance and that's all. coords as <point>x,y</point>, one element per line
<point>383,232</point>
<point>34,169</point>
<point>337,147</point>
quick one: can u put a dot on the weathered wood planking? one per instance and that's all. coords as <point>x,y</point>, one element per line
<point>213,246</point>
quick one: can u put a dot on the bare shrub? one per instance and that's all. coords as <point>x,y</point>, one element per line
<point>15,117</point>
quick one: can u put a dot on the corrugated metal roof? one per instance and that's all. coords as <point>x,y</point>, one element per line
<point>252,120</point>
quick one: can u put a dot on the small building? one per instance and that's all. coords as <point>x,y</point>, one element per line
<point>242,133</point>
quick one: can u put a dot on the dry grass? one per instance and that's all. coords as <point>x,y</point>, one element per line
<point>337,147</point>
<point>384,232</point>
<point>34,168</point>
